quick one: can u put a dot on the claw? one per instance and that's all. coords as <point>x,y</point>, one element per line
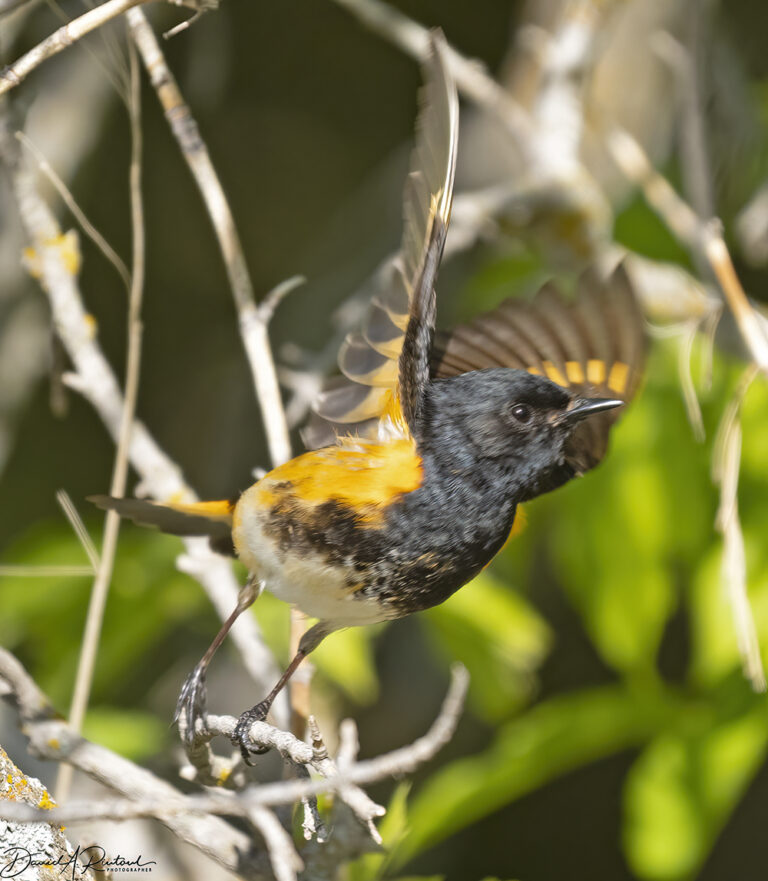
<point>241,735</point>
<point>192,702</point>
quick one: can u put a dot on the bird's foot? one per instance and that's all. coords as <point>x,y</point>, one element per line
<point>242,733</point>
<point>192,704</point>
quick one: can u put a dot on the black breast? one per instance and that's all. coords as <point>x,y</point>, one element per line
<point>437,539</point>
<point>427,545</point>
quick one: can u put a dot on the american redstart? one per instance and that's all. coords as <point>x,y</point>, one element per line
<point>429,442</point>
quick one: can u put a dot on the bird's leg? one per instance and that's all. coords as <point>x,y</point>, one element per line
<point>192,698</point>
<point>309,641</point>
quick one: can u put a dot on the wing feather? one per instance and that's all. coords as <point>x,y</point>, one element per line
<point>408,284</point>
<point>595,346</point>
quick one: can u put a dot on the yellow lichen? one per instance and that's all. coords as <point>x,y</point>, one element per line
<point>68,245</point>
<point>91,325</point>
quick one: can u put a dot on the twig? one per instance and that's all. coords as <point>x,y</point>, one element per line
<point>50,739</point>
<point>470,75</point>
<point>77,212</point>
<point>253,323</point>
<point>725,472</point>
<point>70,511</point>
<point>95,380</point>
<point>559,110</point>
<point>98,601</point>
<point>684,355</point>
<point>685,64</point>
<point>14,571</point>
<point>65,36</point>
<point>286,862</point>
<point>704,238</point>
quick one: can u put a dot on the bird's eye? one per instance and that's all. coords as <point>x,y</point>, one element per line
<point>522,413</point>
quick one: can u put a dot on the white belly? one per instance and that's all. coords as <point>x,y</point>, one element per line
<point>304,580</point>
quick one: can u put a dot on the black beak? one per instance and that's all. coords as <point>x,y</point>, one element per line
<point>583,407</point>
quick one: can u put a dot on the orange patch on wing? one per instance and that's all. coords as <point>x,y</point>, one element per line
<point>617,378</point>
<point>575,372</point>
<point>596,371</point>
<point>554,374</point>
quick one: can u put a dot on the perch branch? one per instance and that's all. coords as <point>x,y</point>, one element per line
<point>53,742</point>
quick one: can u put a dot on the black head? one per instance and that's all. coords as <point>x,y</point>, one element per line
<point>512,424</point>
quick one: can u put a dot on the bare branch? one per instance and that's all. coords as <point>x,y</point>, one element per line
<point>703,238</point>
<point>285,860</point>
<point>71,513</point>
<point>65,36</point>
<point>100,590</point>
<point>253,324</point>
<point>69,200</point>
<point>93,377</point>
<point>725,472</point>
<point>54,739</point>
<point>141,802</point>
<point>471,77</point>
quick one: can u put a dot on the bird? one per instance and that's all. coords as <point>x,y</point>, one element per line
<point>421,453</point>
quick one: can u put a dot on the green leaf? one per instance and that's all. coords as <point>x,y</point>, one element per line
<point>550,739</point>
<point>346,658</point>
<point>498,636</point>
<point>682,789</point>
<point>131,733</point>
<point>619,535</point>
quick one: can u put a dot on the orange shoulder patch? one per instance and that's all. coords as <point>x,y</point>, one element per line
<point>364,475</point>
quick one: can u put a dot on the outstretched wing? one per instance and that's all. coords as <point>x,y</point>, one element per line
<point>371,361</point>
<point>594,345</point>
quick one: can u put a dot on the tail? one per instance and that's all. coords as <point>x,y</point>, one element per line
<point>211,519</point>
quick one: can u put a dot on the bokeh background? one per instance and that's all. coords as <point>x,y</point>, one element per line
<point>610,733</point>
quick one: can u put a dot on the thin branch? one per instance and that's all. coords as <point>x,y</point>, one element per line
<point>77,212</point>
<point>65,36</point>
<point>253,326</point>
<point>94,379</point>
<point>50,738</point>
<point>14,571</point>
<point>286,862</point>
<point>704,238</point>
<point>471,77</point>
<point>725,472</point>
<point>98,601</point>
<point>686,66</point>
<point>76,522</point>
